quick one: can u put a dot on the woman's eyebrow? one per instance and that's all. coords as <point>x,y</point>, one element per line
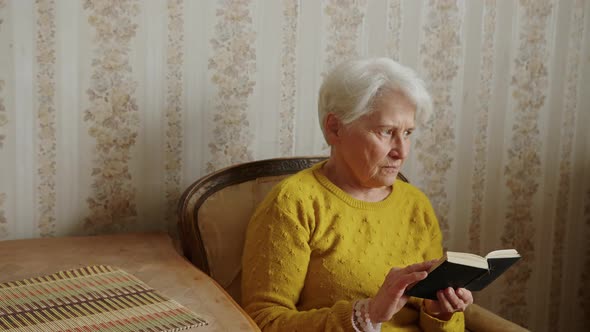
<point>393,125</point>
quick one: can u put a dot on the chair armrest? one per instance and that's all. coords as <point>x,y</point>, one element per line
<point>478,319</point>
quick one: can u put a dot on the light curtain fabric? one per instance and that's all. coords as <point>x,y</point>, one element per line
<point>110,108</point>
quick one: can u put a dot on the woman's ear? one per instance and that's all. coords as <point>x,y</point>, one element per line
<point>332,126</point>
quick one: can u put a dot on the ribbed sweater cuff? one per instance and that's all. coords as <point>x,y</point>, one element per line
<point>343,312</point>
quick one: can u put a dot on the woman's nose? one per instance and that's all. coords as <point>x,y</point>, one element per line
<point>399,149</point>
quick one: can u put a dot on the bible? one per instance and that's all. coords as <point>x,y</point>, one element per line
<point>463,270</point>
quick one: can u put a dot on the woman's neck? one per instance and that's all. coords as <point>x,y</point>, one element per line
<point>341,177</point>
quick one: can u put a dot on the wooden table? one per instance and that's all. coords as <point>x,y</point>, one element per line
<point>151,257</point>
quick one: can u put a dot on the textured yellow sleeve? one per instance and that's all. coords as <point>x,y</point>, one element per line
<point>276,254</point>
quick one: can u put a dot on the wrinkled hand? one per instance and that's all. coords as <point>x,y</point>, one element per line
<point>449,301</point>
<point>390,298</point>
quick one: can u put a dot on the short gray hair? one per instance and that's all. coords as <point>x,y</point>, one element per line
<point>350,89</point>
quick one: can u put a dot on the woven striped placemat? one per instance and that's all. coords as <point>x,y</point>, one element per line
<point>93,298</point>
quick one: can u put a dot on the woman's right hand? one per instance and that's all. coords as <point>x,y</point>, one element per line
<point>390,298</point>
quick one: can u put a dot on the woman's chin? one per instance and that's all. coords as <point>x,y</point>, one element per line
<point>389,172</point>
<point>386,180</point>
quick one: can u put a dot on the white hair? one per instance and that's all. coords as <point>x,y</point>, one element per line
<point>351,88</point>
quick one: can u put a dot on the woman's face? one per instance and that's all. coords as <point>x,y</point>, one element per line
<point>374,146</point>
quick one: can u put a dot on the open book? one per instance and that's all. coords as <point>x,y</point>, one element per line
<point>463,270</point>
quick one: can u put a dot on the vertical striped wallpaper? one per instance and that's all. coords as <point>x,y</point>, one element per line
<point>173,111</point>
<point>4,233</point>
<point>232,64</point>
<point>394,22</point>
<point>46,129</point>
<point>345,19</point>
<point>481,118</point>
<point>112,118</point>
<point>440,55</point>
<point>287,80</point>
<point>105,118</point>
<point>523,172</point>
<point>569,104</point>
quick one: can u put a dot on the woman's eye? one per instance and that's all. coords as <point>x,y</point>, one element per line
<point>387,132</point>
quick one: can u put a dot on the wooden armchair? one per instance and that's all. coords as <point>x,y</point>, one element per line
<point>214,212</point>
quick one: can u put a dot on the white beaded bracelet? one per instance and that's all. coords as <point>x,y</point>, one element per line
<point>361,322</point>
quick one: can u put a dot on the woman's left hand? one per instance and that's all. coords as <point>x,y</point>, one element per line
<point>449,301</point>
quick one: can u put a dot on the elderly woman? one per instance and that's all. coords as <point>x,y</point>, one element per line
<point>334,247</point>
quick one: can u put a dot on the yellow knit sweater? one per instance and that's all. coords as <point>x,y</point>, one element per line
<point>311,250</point>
